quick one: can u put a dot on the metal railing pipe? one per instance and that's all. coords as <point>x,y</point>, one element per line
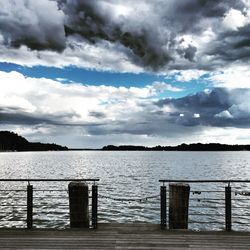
<point>50,180</point>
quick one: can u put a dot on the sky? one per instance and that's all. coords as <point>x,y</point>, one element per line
<point>86,73</point>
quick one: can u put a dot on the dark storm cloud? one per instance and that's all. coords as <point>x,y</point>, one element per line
<point>36,24</point>
<point>221,107</point>
<point>16,116</point>
<point>90,21</point>
<point>148,35</point>
<point>217,108</point>
<point>97,114</point>
<point>191,14</point>
<point>232,45</point>
<point>188,53</point>
<point>153,125</point>
<point>152,45</point>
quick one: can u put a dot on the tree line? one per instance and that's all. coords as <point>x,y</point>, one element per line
<point>10,141</point>
<point>182,147</point>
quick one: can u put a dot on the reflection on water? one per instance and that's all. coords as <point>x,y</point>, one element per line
<point>126,179</point>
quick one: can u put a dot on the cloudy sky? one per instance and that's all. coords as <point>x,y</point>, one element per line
<point>87,73</point>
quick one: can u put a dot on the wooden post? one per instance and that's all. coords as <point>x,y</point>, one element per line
<point>163,207</point>
<point>178,205</point>
<point>29,206</point>
<point>94,206</point>
<point>78,204</point>
<point>228,208</point>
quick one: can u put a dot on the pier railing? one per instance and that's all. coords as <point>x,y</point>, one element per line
<point>24,201</point>
<point>195,204</point>
<point>215,204</point>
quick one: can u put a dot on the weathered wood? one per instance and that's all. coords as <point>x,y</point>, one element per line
<point>122,236</point>
<point>29,206</point>
<point>178,205</point>
<point>163,207</point>
<point>79,204</point>
<point>228,209</point>
<point>94,206</point>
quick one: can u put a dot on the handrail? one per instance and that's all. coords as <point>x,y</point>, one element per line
<point>177,198</point>
<point>44,180</point>
<point>29,198</point>
<point>206,181</point>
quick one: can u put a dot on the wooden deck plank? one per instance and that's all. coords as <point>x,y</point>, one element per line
<point>122,236</point>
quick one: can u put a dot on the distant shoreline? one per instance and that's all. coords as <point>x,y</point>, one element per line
<point>100,150</point>
<point>182,147</point>
<point>11,142</point>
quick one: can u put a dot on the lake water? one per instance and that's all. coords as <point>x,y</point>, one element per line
<point>126,179</point>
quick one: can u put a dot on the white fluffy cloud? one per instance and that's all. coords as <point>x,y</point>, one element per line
<point>234,19</point>
<point>232,77</point>
<point>72,103</point>
<point>187,75</point>
<point>163,86</point>
<point>83,115</point>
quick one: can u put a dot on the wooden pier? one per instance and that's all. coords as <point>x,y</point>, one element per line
<point>173,216</point>
<point>122,236</point>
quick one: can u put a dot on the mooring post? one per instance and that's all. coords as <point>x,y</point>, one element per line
<point>178,205</point>
<point>29,206</point>
<point>163,207</point>
<point>94,206</point>
<point>228,208</point>
<point>78,204</point>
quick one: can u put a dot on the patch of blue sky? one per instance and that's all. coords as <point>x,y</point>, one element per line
<point>84,76</point>
<point>68,75</point>
<point>188,88</point>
